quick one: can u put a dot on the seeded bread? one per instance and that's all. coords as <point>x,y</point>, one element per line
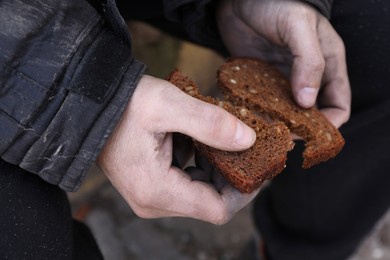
<point>251,82</point>
<point>245,170</point>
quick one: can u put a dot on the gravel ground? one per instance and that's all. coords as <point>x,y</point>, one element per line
<point>121,235</point>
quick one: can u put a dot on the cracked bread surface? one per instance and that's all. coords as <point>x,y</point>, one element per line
<point>264,89</point>
<point>245,170</point>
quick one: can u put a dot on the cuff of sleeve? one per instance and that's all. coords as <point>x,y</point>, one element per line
<point>323,6</point>
<point>198,21</point>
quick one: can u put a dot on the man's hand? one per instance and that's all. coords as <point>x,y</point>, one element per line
<point>138,156</point>
<point>318,54</point>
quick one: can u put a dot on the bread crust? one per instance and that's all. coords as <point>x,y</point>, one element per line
<point>245,170</point>
<point>265,90</point>
<point>261,96</point>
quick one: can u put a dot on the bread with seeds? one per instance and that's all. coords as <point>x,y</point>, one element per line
<point>245,170</point>
<point>265,90</point>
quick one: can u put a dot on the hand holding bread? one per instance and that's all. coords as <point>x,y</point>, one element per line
<point>261,96</point>
<point>137,158</point>
<point>296,36</point>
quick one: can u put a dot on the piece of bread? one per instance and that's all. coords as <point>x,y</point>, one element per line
<point>251,82</point>
<point>245,170</point>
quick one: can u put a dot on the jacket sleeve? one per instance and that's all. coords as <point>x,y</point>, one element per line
<point>66,75</point>
<point>324,6</point>
<point>192,20</point>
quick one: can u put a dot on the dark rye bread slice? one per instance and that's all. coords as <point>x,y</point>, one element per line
<point>251,81</point>
<point>245,170</point>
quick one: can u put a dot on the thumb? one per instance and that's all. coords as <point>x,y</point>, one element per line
<point>208,124</point>
<point>308,65</point>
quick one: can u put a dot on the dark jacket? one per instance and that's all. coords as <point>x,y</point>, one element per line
<point>67,72</point>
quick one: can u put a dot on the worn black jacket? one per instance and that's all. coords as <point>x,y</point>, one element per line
<point>67,72</point>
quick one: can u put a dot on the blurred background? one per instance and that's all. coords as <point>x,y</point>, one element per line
<point>121,235</point>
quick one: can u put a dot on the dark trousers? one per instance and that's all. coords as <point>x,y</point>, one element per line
<point>326,211</point>
<point>36,221</point>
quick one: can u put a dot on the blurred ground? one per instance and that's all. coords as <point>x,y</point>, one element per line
<point>121,235</point>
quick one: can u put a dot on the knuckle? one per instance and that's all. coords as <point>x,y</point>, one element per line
<point>221,215</point>
<point>141,213</point>
<point>318,63</point>
<point>140,204</point>
<point>305,12</point>
<point>308,13</point>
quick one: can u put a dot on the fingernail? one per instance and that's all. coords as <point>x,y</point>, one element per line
<point>307,97</point>
<point>245,136</point>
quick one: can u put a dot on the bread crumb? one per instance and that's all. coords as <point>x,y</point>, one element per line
<point>253,91</point>
<point>244,112</point>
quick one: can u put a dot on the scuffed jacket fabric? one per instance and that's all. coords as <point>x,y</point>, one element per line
<point>67,73</point>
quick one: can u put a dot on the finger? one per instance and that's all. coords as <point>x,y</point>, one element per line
<point>295,137</point>
<point>308,60</point>
<point>335,98</point>
<point>207,123</point>
<point>336,116</point>
<point>203,202</point>
<point>179,196</point>
<point>234,200</point>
